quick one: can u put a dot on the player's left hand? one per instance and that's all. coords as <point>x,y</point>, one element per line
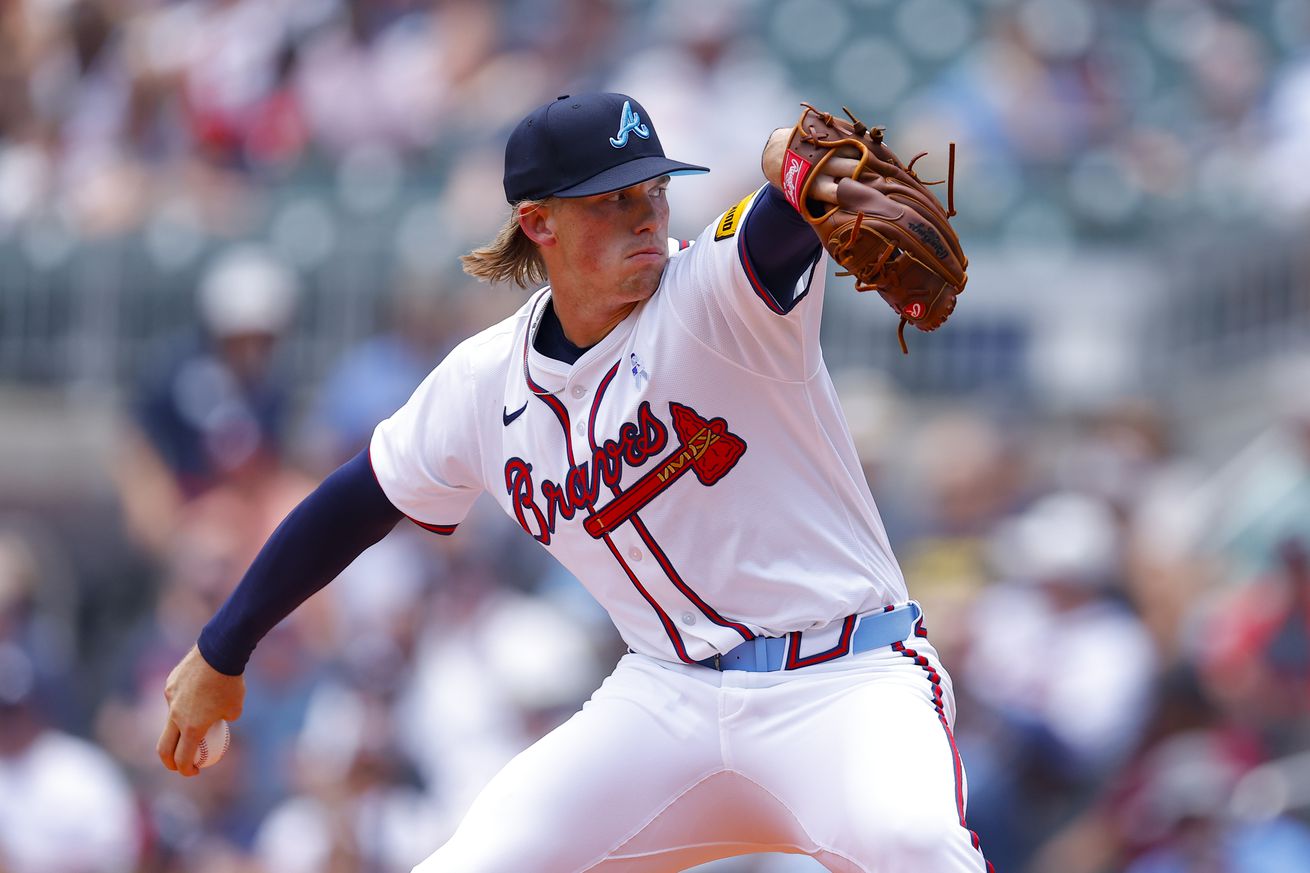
<point>872,213</point>
<point>197,695</point>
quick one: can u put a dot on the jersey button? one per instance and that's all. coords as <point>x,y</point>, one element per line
<point>579,391</point>
<point>634,553</point>
<point>688,619</point>
<point>581,427</point>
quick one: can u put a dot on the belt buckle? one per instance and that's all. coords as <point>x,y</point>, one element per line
<point>718,662</point>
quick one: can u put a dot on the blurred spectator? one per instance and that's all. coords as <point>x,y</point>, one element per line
<point>1061,672</point>
<point>38,618</point>
<point>1127,818</point>
<point>360,805</point>
<point>214,410</point>
<point>1290,128</point>
<point>378,76</point>
<point>232,58</point>
<point>1228,63</point>
<point>64,805</point>
<point>966,498</point>
<point>471,702</point>
<point>1021,93</point>
<point>946,512</point>
<point>82,95</point>
<point>375,378</point>
<point>15,108</point>
<point>1115,453</point>
<point>1187,797</point>
<point>1257,652</point>
<point>1063,555</point>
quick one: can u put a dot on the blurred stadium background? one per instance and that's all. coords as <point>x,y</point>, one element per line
<point>229,233</point>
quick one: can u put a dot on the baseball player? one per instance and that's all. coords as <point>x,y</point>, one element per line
<point>660,419</point>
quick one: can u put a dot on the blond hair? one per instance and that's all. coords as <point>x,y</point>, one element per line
<point>510,257</point>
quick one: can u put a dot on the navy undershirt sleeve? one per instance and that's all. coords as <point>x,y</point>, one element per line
<point>319,538</point>
<point>781,246</point>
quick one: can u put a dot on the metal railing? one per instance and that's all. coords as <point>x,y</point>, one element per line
<point>1209,304</point>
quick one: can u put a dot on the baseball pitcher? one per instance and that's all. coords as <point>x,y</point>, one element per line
<point>659,417</point>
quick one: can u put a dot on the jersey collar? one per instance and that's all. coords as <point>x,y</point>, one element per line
<point>536,363</point>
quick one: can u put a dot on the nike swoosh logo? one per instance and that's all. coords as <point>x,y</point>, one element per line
<point>508,417</point>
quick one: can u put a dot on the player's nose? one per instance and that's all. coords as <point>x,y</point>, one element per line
<point>646,214</point>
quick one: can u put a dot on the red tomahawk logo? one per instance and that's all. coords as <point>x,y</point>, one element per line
<point>707,448</point>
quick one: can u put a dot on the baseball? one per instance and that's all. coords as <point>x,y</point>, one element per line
<point>213,745</point>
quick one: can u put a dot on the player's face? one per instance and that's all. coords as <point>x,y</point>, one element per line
<point>617,243</point>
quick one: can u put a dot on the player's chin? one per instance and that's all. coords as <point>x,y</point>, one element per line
<point>645,271</point>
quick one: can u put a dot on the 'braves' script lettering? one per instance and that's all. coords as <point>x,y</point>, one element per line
<point>538,510</point>
<point>518,482</point>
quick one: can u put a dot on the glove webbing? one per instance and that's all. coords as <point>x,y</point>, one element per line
<point>841,246</point>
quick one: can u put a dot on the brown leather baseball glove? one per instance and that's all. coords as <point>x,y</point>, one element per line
<point>886,229</point>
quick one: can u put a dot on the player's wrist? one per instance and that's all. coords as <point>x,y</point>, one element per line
<point>771,158</point>
<point>214,651</point>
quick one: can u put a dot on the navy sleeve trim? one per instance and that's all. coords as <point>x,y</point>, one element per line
<point>777,246</point>
<point>346,514</point>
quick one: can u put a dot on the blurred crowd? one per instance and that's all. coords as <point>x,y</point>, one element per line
<point>1127,618</point>
<point>118,114</point>
<point>1072,115</point>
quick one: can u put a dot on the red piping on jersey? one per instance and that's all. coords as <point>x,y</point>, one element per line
<point>562,414</point>
<point>444,529</point>
<point>595,406</point>
<point>669,628</point>
<point>753,278</point>
<point>843,646</point>
<point>556,407</point>
<point>708,611</point>
<point>935,678</point>
<point>651,545</point>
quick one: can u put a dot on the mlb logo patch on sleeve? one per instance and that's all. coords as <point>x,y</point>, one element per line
<point>727,225</point>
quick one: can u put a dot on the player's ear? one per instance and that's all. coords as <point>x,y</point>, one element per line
<point>537,221</point>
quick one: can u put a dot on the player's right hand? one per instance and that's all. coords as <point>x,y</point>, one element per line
<point>824,188</point>
<point>197,695</point>
<point>841,165</point>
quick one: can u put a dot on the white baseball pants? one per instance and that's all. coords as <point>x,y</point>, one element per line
<point>669,766</point>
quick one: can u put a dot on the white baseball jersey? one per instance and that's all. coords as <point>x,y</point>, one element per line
<point>663,467</point>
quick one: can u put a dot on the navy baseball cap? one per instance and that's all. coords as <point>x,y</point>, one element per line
<point>584,144</point>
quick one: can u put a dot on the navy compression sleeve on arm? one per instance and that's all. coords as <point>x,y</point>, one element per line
<point>345,515</point>
<point>781,245</point>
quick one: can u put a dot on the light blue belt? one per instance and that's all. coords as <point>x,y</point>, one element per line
<point>872,630</point>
